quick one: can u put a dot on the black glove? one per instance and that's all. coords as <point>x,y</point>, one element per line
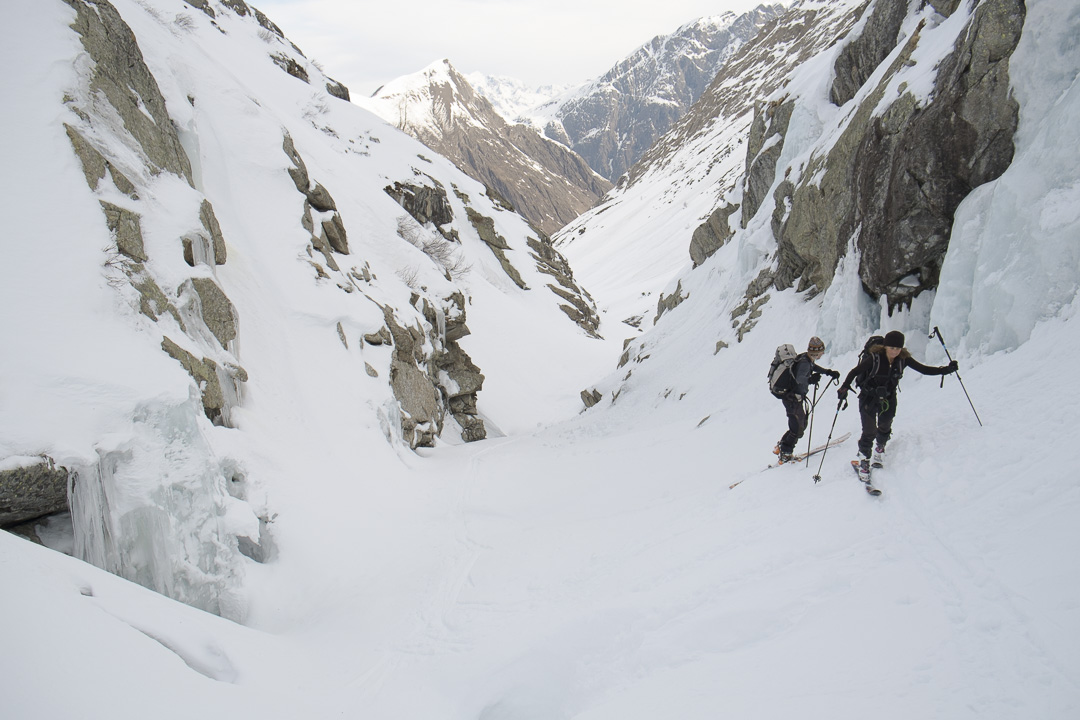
<point>815,378</point>
<point>834,374</point>
<point>952,367</point>
<point>842,392</point>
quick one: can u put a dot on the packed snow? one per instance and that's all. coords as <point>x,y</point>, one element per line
<point>586,565</point>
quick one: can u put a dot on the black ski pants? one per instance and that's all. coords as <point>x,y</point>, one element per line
<point>797,418</point>
<point>877,418</point>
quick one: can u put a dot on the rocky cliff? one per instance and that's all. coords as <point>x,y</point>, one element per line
<point>907,156</point>
<point>615,119</point>
<point>906,150</point>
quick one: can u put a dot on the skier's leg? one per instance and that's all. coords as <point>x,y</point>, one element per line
<point>868,415</point>
<point>885,421</point>
<point>796,415</point>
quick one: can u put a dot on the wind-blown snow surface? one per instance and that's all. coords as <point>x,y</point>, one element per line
<point>600,567</point>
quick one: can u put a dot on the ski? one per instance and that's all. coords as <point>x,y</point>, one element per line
<point>801,456</point>
<point>869,487</point>
<point>820,448</point>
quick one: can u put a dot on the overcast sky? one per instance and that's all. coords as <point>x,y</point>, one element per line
<point>366,43</point>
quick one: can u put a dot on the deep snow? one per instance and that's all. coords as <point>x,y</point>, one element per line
<point>585,565</point>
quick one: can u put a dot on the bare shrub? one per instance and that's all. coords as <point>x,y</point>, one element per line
<point>444,253</point>
<point>409,275</point>
<point>184,22</point>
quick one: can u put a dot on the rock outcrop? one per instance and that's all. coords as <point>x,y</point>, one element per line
<point>860,57</point>
<point>430,374</point>
<point>577,303</point>
<point>894,178</point>
<point>763,149</point>
<point>34,488</point>
<point>319,209</point>
<point>712,235</point>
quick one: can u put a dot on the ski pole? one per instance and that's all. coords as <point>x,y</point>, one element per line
<point>839,406</point>
<point>810,434</point>
<point>937,334</point>
<point>831,381</point>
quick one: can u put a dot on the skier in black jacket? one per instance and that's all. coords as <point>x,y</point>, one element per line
<point>879,378</point>
<point>804,372</point>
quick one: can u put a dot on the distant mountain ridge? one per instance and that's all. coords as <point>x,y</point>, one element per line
<point>544,181</point>
<point>612,121</point>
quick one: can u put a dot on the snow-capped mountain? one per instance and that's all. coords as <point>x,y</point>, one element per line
<point>511,98</point>
<point>613,120</point>
<point>631,560</point>
<point>543,180</point>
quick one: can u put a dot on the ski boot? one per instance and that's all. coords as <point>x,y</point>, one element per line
<point>863,468</point>
<point>877,460</point>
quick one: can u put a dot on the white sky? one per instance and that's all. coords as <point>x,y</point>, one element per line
<point>365,44</point>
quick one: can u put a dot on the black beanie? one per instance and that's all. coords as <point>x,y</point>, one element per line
<point>894,338</point>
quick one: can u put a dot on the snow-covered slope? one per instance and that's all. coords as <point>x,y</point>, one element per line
<point>599,566</point>
<point>335,358</point>
<point>684,175</point>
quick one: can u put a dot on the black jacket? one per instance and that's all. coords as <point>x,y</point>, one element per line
<point>885,377</point>
<point>802,369</point>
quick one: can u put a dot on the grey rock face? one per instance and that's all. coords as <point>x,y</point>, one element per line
<point>591,397</point>
<point>203,5</point>
<point>95,166</point>
<point>461,397</point>
<point>861,56</point>
<point>636,101</point>
<point>945,7</point>
<point>712,235</point>
<point>763,150</point>
<point>291,66</point>
<point>332,235</point>
<point>265,22</point>
<point>429,383</point>
<point>333,232</point>
<point>579,305</point>
<point>320,199</point>
<point>425,204</point>
<point>210,223</point>
<point>217,310</point>
<point>204,373</point>
<point>894,181</point>
<point>31,492</point>
<point>126,231</point>
<point>121,75</point>
<point>669,302</point>
<point>485,227</point>
<point>338,90</point>
<point>237,6</point>
<point>422,412</point>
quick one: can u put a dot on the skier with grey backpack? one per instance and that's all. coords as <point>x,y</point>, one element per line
<point>790,376</point>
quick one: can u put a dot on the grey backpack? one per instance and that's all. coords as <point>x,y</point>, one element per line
<point>781,376</point>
